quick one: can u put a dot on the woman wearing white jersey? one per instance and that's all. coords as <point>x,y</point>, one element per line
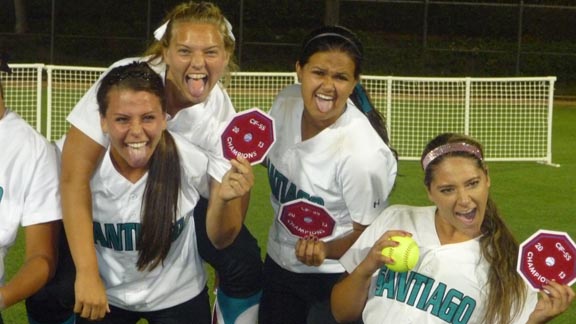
<point>466,272</point>
<point>194,50</point>
<point>29,198</point>
<point>144,193</point>
<point>331,149</point>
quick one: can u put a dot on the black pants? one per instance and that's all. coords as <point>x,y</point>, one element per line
<point>54,303</point>
<point>295,298</point>
<point>194,311</point>
<point>239,266</point>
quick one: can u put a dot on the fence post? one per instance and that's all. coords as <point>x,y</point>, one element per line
<point>519,47</point>
<point>332,12</point>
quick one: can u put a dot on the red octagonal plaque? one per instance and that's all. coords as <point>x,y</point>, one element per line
<point>547,255</point>
<point>249,134</point>
<point>303,218</point>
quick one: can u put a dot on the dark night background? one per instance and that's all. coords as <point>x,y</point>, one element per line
<point>458,38</point>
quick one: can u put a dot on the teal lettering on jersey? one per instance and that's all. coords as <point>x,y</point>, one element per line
<point>420,281</point>
<point>120,237</point>
<point>403,284</point>
<point>420,291</point>
<point>285,191</point>
<point>113,236</point>
<point>130,240</point>
<point>464,311</point>
<point>385,282</point>
<point>449,306</point>
<point>1,193</point>
<point>426,289</point>
<point>99,237</point>
<point>434,302</point>
<point>123,236</point>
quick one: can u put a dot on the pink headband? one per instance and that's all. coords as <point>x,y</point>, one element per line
<point>448,148</point>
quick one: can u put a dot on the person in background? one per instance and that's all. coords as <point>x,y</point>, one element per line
<point>332,149</point>
<point>193,51</point>
<point>29,197</point>
<point>466,272</point>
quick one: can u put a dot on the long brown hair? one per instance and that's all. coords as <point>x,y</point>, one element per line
<point>160,200</point>
<point>506,289</point>
<point>196,12</point>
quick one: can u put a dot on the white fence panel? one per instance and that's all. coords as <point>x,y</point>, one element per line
<point>512,117</point>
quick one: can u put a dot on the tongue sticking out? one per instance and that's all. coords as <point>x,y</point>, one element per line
<point>324,105</point>
<point>195,87</point>
<point>137,157</point>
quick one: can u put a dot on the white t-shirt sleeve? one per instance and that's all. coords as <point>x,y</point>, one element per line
<point>218,165</point>
<point>367,180</point>
<point>42,201</point>
<point>202,125</point>
<point>86,117</point>
<point>360,249</point>
<point>194,165</point>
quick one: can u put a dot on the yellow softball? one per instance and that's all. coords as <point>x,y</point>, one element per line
<point>405,255</point>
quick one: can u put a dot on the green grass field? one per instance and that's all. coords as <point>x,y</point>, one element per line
<point>531,196</point>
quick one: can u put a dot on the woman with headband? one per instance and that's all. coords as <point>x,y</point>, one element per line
<point>331,149</point>
<point>466,272</point>
<point>193,51</point>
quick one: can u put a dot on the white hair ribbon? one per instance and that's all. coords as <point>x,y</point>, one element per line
<point>229,27</point>
<point>160,31</point>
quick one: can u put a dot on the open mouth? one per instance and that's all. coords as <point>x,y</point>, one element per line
<point>324,102</point>
<point>137,154</point>
<point>467,216</point>
<point>196,83</point>
<point>136,146</point>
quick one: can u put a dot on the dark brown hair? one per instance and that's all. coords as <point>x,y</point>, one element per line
<point>160,200</point>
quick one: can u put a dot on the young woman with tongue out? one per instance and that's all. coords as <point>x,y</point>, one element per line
<point>331,149</point>
<point>466,271</point>
<point>193,51</point>
<point>144,193</point>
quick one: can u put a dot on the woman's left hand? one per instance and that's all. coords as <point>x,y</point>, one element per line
<point>311,251</point>
<point>554,300</point>
<point>238,181</point>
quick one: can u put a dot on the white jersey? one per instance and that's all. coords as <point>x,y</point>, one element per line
<point>200,124</point>
<point>117,209</point>
<point>447,285</point>
<point>28,180</point>
<point>347,168</point>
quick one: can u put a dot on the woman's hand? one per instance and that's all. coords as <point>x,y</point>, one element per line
<point>554,300</point>
<point>238,181</point>
<point>375,260</point>
<point>91,301</point>
<point>311,251</point>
